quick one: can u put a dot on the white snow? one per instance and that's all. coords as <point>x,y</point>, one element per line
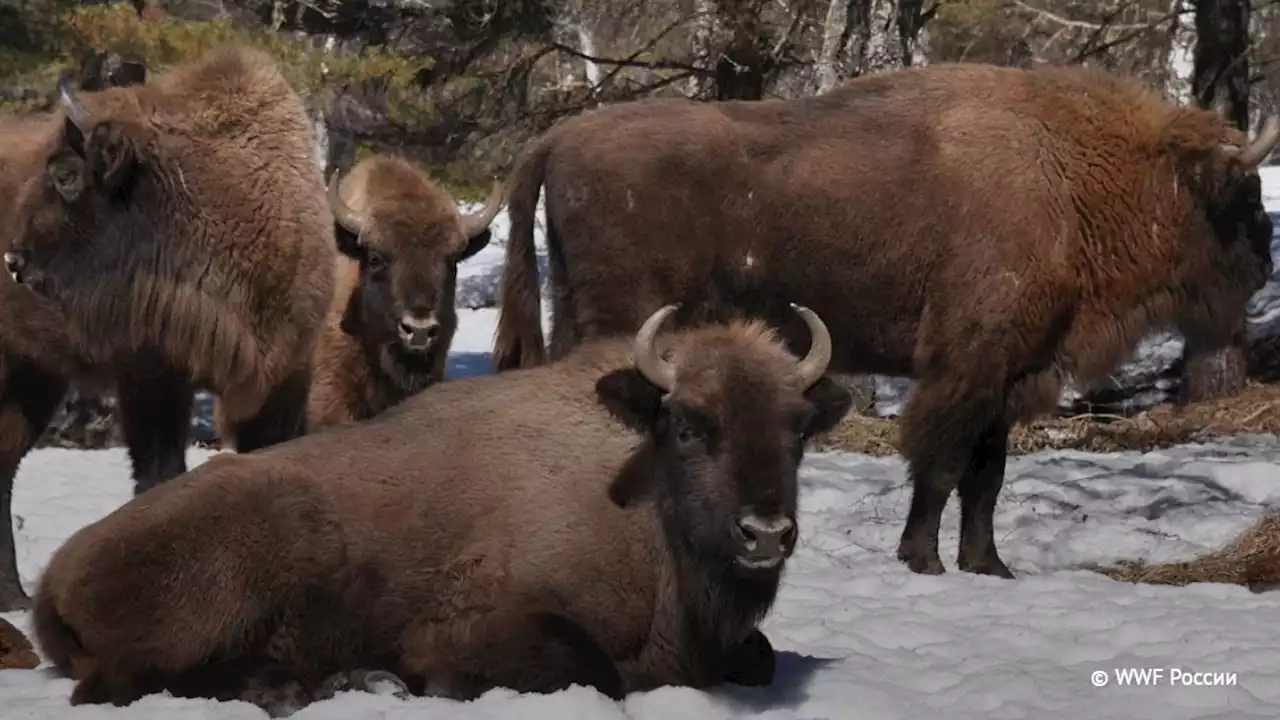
<point>859,636</point>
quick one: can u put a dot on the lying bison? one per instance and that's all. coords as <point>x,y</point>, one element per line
<point>991,232</point>
<point>393,316</point>
<point>602,521</point>
<point>183,228</point>
<point>38,356</point>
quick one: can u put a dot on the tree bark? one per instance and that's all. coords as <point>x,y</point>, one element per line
<point>1220,80</point>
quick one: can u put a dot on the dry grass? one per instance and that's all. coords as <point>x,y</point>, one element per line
<point>1252,559</point>
<point>1256,409</point>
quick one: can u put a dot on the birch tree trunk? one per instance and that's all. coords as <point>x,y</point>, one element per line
<point>835,27</point>
<point>708,37</point>
<point>1180,64</point>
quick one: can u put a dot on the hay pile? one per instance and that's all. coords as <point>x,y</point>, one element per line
<point>1252,559</point>
<point>1255,409</point>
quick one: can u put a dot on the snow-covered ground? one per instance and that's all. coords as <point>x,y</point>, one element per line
<point>859,636</point>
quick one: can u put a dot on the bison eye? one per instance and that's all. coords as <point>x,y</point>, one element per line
<point>374,261</point>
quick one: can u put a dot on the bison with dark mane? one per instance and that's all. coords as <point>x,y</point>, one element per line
<point>182,227</point>
<point>38,356</point>
<point>620,519</point>
<point>991,232</point>
<point>393,317</point>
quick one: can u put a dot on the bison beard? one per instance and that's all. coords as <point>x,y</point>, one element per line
<point>466,560</point>
<point>990,232</point>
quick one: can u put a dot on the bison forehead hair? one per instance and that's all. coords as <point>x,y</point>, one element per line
<point>191,204</point>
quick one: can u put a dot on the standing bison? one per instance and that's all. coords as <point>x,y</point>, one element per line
<point>38,355</point>
<point>393,316</point>
<point>991,232</point>
<point>620,519</point>
<point>183,228</point>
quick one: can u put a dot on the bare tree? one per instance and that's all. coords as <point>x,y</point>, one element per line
<point>1220,80</point>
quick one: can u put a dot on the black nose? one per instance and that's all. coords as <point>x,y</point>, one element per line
<point>765,541</point>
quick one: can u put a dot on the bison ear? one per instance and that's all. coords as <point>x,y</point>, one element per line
<point>475,244</point>
<point>348,242</point>
<point>634,400</point>
<point>111,157</point>
<point>830,401</point>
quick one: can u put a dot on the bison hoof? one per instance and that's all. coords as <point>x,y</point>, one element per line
<point>753,663</point>
<point>376,682</point>
<point>986,566</point>
<point>922,563</point>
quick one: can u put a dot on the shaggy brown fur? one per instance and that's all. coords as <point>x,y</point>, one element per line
<point>1252,559</point>
<point>16,652</point>
<point>184,223</point>
<point>38,355</point>
<point>393,318</point>
<point>571,523</point>
<point>988,231</point>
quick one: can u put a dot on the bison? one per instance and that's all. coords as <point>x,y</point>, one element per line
<point>38,356</point>
<point>393,316</point>
<point>620,519</point>
<point>182,226</point>
<point>991,232</point>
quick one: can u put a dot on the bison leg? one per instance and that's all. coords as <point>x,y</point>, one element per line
<point>938,441</point>
<point>979,488</point>
<point>28,399</point>
<point>155,417</point>
<point>528,653</point>
<point>751,663</point>
<point>283,416</point>
<point>99,688</point>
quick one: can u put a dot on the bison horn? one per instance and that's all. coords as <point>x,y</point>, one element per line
<point>474,224</point>
<point>648,362</point>
<point>1258,150</point>
<point>76,112</point>
<point>815,362</point>
<point>342,212</point>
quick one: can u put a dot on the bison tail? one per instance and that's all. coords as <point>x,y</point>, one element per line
<point>518,341</point>
<point>57,641</point>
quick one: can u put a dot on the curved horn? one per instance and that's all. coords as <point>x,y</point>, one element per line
<point>1258,150</point>
<point>645,351</point>
<point>476,223</point>
<point>76,112</point>
<point>342,213</point>
<point>815,363</point>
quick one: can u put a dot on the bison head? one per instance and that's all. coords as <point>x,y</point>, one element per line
<point>727,418</point>
<point>1234,261</point>
<point>72,218</point>
<point>408,254</point>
